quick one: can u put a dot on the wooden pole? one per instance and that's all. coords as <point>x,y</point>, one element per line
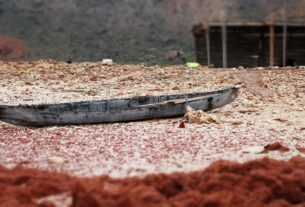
<point>224,45</point>
<point>271,39</point>
<point>224,35</point>
<point>207,36</point>
<point>260,59</point>
<point>285,34</point>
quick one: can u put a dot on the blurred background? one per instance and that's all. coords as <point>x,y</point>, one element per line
<point>127,31</point>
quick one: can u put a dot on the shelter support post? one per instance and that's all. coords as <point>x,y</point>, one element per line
<point>207,36</point>
<point>285,34</point>
<point>224,46</point>
<point>271,44</point>
<point>261,47</point>
<point>284,45</point>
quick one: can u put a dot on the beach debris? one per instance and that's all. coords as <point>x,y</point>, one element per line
<point>192,65</point>
<point>199,117</point>
<point>254,149</point>
<point>56,160</point>
<point>107,61</point>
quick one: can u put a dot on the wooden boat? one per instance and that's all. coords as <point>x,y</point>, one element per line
<point>114,110</point>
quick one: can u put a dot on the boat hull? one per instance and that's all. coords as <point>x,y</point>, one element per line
<point>114,110</point>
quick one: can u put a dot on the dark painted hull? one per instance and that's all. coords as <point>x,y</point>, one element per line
<point>114,110</point>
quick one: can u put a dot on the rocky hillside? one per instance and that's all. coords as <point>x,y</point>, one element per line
<point>125,30</point>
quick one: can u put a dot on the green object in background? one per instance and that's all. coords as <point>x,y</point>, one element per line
<point>192,65</point>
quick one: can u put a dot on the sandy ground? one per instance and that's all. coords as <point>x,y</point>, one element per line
<point>270,108</point>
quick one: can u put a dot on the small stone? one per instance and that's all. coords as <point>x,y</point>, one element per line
<point>50,129</point>
<point>107,61</point>
<point>56,160</point>
<point>277,146</point>
<point>181,125</point>
<point>69,61</point>
<point>28,83</point>
<point>145,138</point>
<point>94,78</point>
<point>254,149</point>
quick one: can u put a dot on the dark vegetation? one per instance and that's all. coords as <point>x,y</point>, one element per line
<point>128,31</point>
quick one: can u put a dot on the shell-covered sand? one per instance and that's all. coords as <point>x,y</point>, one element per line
<point>270,108</point>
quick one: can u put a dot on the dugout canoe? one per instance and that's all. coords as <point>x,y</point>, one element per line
<point>114,110</point>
